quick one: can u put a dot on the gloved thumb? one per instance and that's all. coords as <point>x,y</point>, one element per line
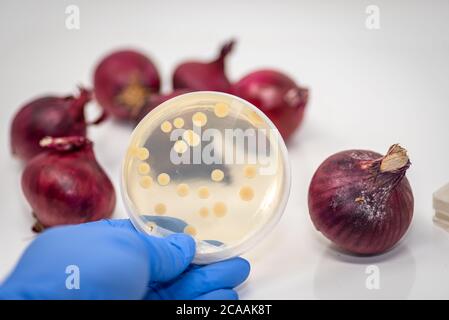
<point>169,256</point>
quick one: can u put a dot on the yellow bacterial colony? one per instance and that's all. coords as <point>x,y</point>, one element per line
<point>143,153</point>
<point>160,208</point>
<point>199,119</point>
<point>220,209</point>
<point>146,182</point>
<point>203,192</point>
<point>144,168</point>
<point>180,146</point>
<point>166,127</point>
<point>191,137</point>
<point>250,171</point>
<point>204,212</point>
<point>183,190</point>
<point>163,179</point>
<point>178,123</point>
<point>190,230</point>
<point>221,110</point>
<point>217,175</point>
<point>246,193</point>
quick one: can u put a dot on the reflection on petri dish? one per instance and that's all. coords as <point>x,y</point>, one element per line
<point>220,173</point>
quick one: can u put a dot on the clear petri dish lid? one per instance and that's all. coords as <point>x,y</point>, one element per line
<point>208,164</point>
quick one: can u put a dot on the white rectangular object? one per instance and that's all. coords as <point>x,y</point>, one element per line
<point>441,206</point>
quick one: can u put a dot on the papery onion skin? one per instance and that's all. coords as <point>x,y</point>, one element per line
<point>157,99</point>
<point>358,205</point>
<point>123,82</point>
<point>278,96</point>
<point>47,116</point>
<point>204,76</point>
<point>66,185</point>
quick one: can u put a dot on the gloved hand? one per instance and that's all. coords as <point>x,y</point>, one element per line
<point>117,262</point>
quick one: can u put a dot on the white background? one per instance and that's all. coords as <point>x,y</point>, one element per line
<point>369,89</point>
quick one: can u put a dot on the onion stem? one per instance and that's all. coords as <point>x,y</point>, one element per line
<point>395,159</point>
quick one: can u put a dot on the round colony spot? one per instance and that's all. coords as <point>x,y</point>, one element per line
<point>217,175</point>
<point>255,118</point>
<point>250,171</point>
<point>221,109</point>
<point>183,190</point>
<point>133,151</point>
<point>180,146</point>
<point>178,123</point>
<point>246,193</point>
<point>204,212</point>
<point>160,208</point>
<point>144,168</point>
<point>146,182</point>
<point>166,126</point>
<point>220,209</point>
<point>199,119</point>
<point>143,153</point>
<point>163,179</point>
<point>203,192</point>
<point>190,230</point>
<point>191,137</point>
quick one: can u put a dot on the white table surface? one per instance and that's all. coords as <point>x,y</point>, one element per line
<point>369,89</point>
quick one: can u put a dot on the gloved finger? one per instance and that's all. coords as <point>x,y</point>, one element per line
<point>115,223</point>
<point>169,256</point>
<point>198,281</point>
<point>221,294</point>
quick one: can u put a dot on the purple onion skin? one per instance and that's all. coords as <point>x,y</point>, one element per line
<point>204,76</point>
<point>122,70</point>
<point>277,96</point>
<point>68,186</point>
<point>47,116</point>
<point>357,206</point>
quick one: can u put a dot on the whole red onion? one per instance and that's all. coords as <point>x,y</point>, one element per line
<point>157,99</point>
<point>48,116</point>
<point>66,185</point>
<point>123,83</point>
<point>208,76</point>
<point>361,200</point>
<point>277,96</point>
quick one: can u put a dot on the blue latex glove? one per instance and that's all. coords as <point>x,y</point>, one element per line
<point>117,262</point>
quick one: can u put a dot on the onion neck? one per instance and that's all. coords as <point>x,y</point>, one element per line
<point>396,160</point>
<point>224,52</point>
<point>385,173</point>
<point>388,171</point>
<point>78,103</point>
<point>66,144</point>
<point>296,97</point>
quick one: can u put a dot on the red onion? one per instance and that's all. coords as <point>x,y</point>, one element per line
<point>157,99</point>
<point>208,76</point>
<point>277,96</point>
<point>48,116</point>
<point>66,185</point>
<point>361,200</point>
<point>124,81</point>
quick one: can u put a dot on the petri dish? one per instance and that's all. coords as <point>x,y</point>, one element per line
<point>222,176</point>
